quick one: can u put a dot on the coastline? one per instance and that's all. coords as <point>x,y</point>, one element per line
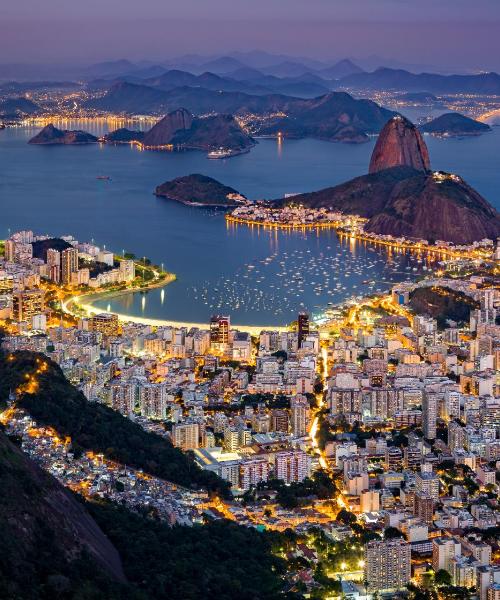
<point>85,302</point>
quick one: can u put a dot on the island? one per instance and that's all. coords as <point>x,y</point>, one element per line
<point>182,130</point>
<point>123,136</point>
<point>454,125</point>
<point>51,135</point>
<point>200,190</point>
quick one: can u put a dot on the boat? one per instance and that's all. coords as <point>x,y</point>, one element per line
<point>226,152</point>
<point>104,177</point>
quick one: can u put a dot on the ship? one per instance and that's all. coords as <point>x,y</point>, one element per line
<point>104,177</point>
<point>226,152</point>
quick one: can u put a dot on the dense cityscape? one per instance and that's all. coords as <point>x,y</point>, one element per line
<point>380,426</point>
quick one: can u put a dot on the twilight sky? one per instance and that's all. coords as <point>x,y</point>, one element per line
<point>447,33</point>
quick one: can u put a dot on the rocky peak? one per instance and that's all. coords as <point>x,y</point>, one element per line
<point>399,144</point>
<point>163,132</point>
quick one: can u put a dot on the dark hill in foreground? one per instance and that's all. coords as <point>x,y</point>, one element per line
<point>96,427</point>
<point>55,545</point>
<point>198,189</point>
<point>47,538</point>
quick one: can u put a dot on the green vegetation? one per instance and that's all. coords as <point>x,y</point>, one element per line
<point>219,560</point>
<point>320,486</point>
<point>442,304</point>
<point>96,427</point>
<point>56,546</point>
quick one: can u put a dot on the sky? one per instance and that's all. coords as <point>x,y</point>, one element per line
<point>460,34</point>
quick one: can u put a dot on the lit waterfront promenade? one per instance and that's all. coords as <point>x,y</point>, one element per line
<point>355,235</point>
<point>83,303</point>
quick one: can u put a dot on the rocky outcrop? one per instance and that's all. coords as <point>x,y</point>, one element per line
<point>399,144</point>
<point>164,131</point>
<point>50,135</point>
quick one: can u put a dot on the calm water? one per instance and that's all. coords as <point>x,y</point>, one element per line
<point>256,276</point>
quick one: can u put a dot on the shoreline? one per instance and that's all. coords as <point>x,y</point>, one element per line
<point>85,302</point>
<point>408,245</point>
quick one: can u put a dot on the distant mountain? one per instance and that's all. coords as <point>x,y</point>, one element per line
<point>213,132</point>
<point>420,97</point>
<point>454,124</point>
<point>333,117</point>
<point>288,68</point>
<point>123,136</point>
<point>109,68</point>
<point>180,128</point>
<point>399,79</point>
<point>244,73</point>
<point>222,65</point>
<point>50,135</point>
<point>259,59</point>
<point>198,190</point>
<point>401,200</point>
<point>18,106</point>
<point>399,144</point>
<point>132,99</point>
<point>28,86</point>
<point>341,69</point>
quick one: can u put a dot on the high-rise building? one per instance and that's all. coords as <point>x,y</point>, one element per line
<point>302,326</point>
<point>292,465</point>
<point>387,565</point>
<point>26,304</point>
<point>423,507</point>
<point>10,250</point>
<point>279,420</point>
<point>186,436</point>
<point>105,323</point>
<point>253,471</point>
<point>153,400</point>
<point>299,408</point>
<point>219,330</point>
<point>427,484</point>
<point>393,459</point>
<point>444,550</point>
<point>54,265</point>
<point>127,270</point>
<point>122,397</point>
<point>69,264</point>
<point>429,415</point>
<point>456,436</point>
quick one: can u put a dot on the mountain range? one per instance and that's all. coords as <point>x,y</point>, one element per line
<point>399,79</point>
<point>336,116</point>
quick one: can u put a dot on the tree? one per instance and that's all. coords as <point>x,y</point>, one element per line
<point>442,577</point>
<point>346,517</point>
<point>392,532</point>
